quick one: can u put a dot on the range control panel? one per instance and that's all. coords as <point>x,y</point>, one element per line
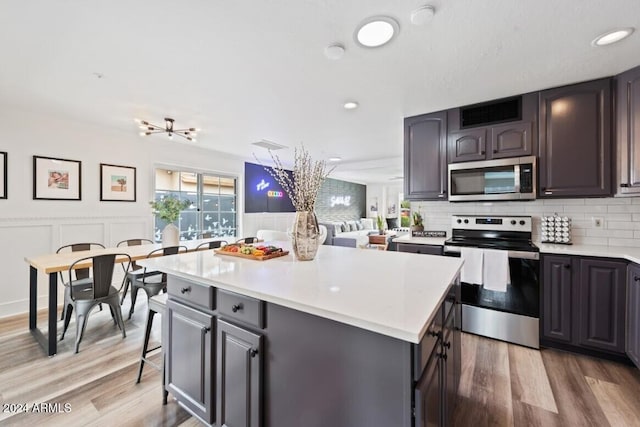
<point>486,222</point>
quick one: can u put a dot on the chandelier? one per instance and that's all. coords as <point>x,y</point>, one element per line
<point>150,128</point>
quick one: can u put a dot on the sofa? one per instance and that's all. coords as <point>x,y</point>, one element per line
<point>358,230</point>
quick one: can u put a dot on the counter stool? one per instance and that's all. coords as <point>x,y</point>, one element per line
<point>157,304</point>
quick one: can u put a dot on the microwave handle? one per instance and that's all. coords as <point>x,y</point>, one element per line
<point>516,178</point>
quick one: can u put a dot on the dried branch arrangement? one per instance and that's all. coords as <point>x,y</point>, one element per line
<point>308,176</point>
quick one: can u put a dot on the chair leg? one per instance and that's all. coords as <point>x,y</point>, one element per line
<point>145,344</point>
<point>165,392</point>
<point>134,295</point>
<point>127,281</point>
<point>113,316</point>
<point>68,311</point>
<point>81,324</point>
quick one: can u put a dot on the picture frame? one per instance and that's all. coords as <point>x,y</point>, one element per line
<point>3,175</point>
<point>117,183</point>
<point>56,179</point>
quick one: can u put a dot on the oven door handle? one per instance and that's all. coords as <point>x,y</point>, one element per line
<point>512,254</point>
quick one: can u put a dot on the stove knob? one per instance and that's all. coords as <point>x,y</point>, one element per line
<point>466,221</point>
<point>522,222</point>
<point>513,222</point>
<point>459,221</point>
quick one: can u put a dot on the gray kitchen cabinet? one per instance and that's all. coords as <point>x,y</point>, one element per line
<point>429,395</point>
<point>511,140</point>
<point>628,131</point>
<point>601,303</point>
<point>436,390</point>
<point>575,140</point>
<point>425,157</point>
<point>190,376</point>
<point>556,298</point>
<point>419,249</point>
<point>633,314</point>
<point>239,368</point>
<point>583,304</point>
<point>467,145</point>
<point>500,129</point>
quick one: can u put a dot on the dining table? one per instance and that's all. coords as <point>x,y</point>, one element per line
<point>52,264</point>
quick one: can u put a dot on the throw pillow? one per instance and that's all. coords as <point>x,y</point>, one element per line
<point>367,223</point>
<point>343,227</point>
<point>359,226</point>
<point>352,225</point>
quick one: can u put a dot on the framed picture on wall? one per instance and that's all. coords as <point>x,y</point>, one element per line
<point>56,179</point>
<point>3,175</point>
<point>117,183</point>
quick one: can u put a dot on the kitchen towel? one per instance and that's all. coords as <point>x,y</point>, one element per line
<point>495,271</point>
<point>472,267</point>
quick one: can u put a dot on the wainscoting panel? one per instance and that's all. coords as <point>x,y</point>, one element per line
<point>76,233</point>
<point>119,231</point>
<point>19,241</point>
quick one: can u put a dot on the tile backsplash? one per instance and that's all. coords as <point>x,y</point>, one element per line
<point>620,225</point>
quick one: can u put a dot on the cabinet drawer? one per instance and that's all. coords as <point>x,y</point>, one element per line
<point>241,308</point>
<point>194,293</point>
<point>428,343</point>
<point>420,249</point>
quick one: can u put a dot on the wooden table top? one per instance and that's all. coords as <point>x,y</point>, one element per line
<point>52,263</point>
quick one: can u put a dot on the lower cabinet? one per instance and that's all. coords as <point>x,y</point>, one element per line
<point>633,314</point>
<point>239,376</point>
<point>419,249</point>
<point>189,358</point>
<point>436,391</point>
<point>583,303</point>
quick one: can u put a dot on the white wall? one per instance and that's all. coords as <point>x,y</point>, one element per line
<point>621,216</point>
<point>33,227</point>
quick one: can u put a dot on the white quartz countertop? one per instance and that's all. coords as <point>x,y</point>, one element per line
<point>391,293</point>
<point>628,253</point>
<point>436,241</point>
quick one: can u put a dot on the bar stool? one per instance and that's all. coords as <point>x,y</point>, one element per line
<point>157,304</point>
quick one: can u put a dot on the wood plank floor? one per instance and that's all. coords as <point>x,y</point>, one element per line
<point>501,384</point>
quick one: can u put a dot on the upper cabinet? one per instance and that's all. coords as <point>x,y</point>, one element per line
<point>575,140</point>
<point>492,130</point>
<point>425,157</point>
<point>628,131</point>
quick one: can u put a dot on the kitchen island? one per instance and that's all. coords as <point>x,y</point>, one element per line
<point>352,338</point>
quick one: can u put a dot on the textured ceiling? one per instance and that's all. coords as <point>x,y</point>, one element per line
<point>247,70</point>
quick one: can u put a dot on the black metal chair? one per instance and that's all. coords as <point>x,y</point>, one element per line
<point>83,299</point>
<point>152,282</point>
<point>134,267</point>
<point>248,240</point>
<point>82,275</point>
<point>214,244</point>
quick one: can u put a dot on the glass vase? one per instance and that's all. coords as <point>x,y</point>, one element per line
<point>306,236</point>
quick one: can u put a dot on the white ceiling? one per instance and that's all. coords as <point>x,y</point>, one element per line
<point>246,70</point>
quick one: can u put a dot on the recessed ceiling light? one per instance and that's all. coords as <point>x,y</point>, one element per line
<point>334,52</point>
<point>376,31</point>
<point>351,105</point>
<point>421,15</point>
<point>612,36</point>
<point>335,159</point>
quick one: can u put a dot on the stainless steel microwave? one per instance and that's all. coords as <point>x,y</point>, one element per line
<point>500,179</point>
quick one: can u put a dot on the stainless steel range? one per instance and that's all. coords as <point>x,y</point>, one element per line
<point>513,315</point>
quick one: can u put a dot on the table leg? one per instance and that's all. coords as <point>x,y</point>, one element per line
<point>50,343</point>
<point>33,298</point>
<point>53,313</point>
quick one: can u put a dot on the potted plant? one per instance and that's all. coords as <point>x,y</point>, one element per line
<point>168,209</point>
<point>380,222</point>
<point>417,222</point>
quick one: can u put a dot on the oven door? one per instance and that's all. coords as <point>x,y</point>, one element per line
<point>523,293</point>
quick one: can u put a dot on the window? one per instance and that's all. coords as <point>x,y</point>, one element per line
<point>213,203</point>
